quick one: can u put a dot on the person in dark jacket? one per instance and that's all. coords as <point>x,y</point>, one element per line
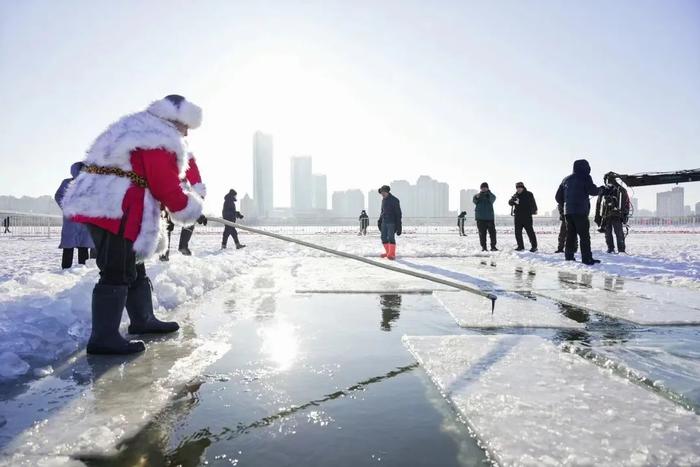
<point>364,222</point>
<point>389,222</point>
<point>522,208</point>
<point>611,212</point>
<point>460,223</point>
<point>229,213</point>
<point>485,218</point>
<point>6,224</point>
<point>73,234</point>
<point>574,193</point>
<point>561,240</point>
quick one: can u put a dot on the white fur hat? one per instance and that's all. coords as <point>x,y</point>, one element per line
<point>177,108</point>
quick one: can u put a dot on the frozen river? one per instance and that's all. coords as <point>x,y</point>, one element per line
<point>290,357</point>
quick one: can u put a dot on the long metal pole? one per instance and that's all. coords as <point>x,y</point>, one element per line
<point>362,259</point>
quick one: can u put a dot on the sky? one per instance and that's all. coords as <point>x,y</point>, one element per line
<point>374,91</point>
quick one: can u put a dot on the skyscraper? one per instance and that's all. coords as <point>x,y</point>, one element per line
<point>301,183</point>
<point>670,203</point>
<point>319,193</point>
<point>348,203</point>
<point>374,203</point>
<point>262,173</point>
<point>466,203</point>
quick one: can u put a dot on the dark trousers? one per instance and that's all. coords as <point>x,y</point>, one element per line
<point>486,226</point>
<point>614,224</point>
<point>388,233</point>
<point>461,229</point>
<point>525,223</point>
<point>562,237</point>
<point>363,227</point>
<point>185,235</point>
<point>115,258</point>
<point>228,230</point>
<point>578,225</point>
<point>67,260</point>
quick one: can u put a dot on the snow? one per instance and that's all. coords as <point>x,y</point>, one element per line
<point>45,322</point>
<point>531,404</point>
<point>513,310</point>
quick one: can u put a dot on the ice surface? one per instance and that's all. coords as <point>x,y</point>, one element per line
<point>616,297</point>
<point>532,404</point>
<point>512,310</point>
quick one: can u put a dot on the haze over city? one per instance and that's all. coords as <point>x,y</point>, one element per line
<point>460,91</point>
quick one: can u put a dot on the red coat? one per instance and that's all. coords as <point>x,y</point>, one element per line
<point>194,178</point>
<point>153,149</point>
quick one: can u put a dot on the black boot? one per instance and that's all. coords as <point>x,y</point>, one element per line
<point>165,256</point>
<point>140,308</point>
<point>239,246</point>
<point>107,306</point>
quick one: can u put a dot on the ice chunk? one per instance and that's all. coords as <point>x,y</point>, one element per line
<point>532,404</point>
<point>512,310</point>
<point>11,366</point>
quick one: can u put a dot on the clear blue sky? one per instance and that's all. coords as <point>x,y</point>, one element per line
<point>374,90</point>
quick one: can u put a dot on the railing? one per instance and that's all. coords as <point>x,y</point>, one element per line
<point>38,225</point>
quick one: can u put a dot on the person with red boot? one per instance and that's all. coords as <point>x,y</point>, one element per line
<point>389,222</point>
<point>135,166</point>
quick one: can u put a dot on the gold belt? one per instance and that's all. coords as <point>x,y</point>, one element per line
<point>133,176</point>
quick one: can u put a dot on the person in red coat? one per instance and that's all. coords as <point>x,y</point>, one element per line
<point>132,169</point>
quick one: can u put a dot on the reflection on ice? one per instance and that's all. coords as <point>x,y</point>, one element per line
<point>280,344</point>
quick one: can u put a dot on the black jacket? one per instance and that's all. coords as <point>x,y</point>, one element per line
<point>391,210</point>
<point>524,204</point>
<point>229,211</point>
<point>364,219</point>
<point>575,189</point>
<point>613,201</point>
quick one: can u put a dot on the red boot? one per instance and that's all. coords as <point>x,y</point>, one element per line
<point>386,251</point>
<point>392,251</point>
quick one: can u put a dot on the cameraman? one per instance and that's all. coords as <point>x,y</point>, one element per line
<point>611,212</point>
<point>522,208</point>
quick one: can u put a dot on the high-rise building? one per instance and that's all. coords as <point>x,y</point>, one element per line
<point>374,203</point>
<point>670,203</point>
<point>466,203</point>
<point>635,204</point>
<point>697,209</point>
<point>249,207</point>
<point>262,173</point>
<point>406,193</point>
<point>348,203</point>
<point>301,183</point>
<point>319,193</point>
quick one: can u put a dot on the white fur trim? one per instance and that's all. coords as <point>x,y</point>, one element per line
<point>146,243</point>
<point>187,113</point>
<point>201,189</point>
<point>191,212</point>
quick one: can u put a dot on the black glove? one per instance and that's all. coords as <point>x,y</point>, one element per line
<point>202,220</point>
<point>239,215</point>
<point>398,229</point>
<point>625,219</point>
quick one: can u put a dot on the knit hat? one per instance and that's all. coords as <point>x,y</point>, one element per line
<point>176,108</point>
<point>385,188</point>
<point>520,185</point>
<point>484,185</point>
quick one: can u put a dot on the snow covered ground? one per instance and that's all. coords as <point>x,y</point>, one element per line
<point>45,314</point>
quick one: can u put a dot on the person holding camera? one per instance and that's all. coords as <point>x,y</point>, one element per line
<point>485,218</point>
<point>611,212</point>
<point>522,208</point>
<point>460,223</point>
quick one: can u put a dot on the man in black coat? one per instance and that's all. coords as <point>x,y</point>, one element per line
<point>523,207</point>
<point>611,212</point>
<point>389,222</point>
<point>574,193</point>
<point>364,222</point>
<point>229,213</point>
<point>460,223</point>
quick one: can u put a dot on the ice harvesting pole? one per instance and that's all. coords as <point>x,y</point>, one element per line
<point>362,259</point>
